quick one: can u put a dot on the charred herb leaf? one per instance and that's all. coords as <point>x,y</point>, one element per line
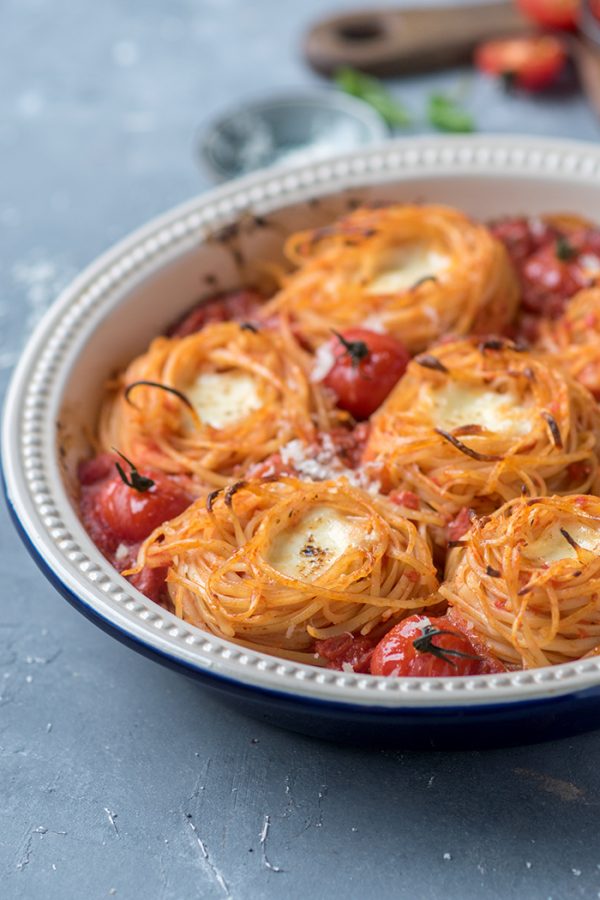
<point>468,451</point>
<point>160,386</point>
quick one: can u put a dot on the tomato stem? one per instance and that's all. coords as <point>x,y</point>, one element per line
<point>424,644</point>
<point>136,481</point>
<point>356,350</point>
<point>563,249</point>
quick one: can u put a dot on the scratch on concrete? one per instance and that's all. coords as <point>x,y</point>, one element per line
<point>320,797</point>
<point>216,874</point>
<point>263,844</point>
<point>564,790</point>
<point>43,660</point>
<point>111,818</point>
<point>27,844</point>
<point>25,857</point>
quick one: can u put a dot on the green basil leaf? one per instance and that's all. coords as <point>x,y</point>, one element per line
<point>445,114</point>
<point>372,91</point>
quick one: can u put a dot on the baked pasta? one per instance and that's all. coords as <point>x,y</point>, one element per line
<point>475,423</point>
<point>389,466</point>
<point>415,272</point>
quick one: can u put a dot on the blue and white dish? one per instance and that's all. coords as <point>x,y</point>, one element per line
<point>110,313</point>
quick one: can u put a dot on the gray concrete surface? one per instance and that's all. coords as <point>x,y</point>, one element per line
<point>117,777</point>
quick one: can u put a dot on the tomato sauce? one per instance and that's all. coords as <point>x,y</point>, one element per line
<point>234,306</point>
<point>346,652</point>
<point>553,264</point>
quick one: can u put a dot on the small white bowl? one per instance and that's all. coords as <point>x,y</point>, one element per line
<point>295,127</point>
<point>134,291</point>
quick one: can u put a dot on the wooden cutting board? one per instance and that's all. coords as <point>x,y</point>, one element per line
<point>396,42</point>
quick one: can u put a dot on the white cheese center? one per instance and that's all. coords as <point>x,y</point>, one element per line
<point>405,266</point>
<point>552,545</point>
<point>454,405</point>
<point>223,398</point>
<point>310,547</point>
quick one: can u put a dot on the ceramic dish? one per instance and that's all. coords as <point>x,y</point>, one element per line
<point>113,309</point>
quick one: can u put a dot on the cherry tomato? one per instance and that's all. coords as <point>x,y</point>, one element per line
<point>423,646</point>
<point>235,306</point>
<point>366,366</point>
<point>532,63</point>
<point>522,236</point>
<point>563,14</point>
<point>346,650</point>
<point>558,270</point>
<point>113,512</point>
<point>132,515</point>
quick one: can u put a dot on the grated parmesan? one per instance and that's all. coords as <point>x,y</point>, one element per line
<point>122,551</point>
<point>323,464</point>
<point>324,361</point>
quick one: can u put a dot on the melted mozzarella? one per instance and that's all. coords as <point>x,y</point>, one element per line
<point>307,549</point>
<point>223,398</point>
<point>454,405</point>
<point>552,546</point>
<point>405,266</point>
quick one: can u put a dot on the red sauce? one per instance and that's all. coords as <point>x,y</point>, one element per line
<point>234,306</point>
<point>346,650</point>
<point>459,525</point>
<point>553,264</point>
<point>405,498</point>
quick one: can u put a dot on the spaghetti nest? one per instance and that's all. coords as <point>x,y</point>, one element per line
<point>277,565</point>
<point>417,272</point>
<point>220,400</point>
<point>573,340</point>
<point>528,580</point>
<point>476,424</point>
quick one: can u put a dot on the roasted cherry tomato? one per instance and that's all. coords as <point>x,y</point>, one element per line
<point>522,236</point>
<point>236,306</point>
<point>365,367</point>
<point>120,511</point>
<point>531,63</point>
<point>558,270</point>
<point>549,281</point>
<point>423,646</point>
<point>563,14</point>
<point>132,515</point>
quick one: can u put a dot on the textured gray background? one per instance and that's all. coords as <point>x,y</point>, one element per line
<point>104,755</point>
